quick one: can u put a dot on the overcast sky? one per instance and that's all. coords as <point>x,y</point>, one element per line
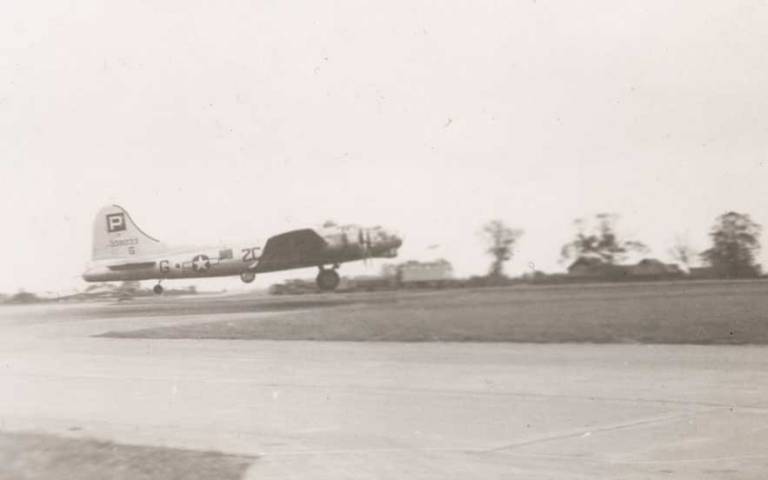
<point>211,121</point>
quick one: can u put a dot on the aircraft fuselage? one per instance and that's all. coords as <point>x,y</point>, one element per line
<point>124,252</point>
<point>244,259</point>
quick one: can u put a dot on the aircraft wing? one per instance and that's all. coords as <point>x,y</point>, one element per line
<point>297,248</point>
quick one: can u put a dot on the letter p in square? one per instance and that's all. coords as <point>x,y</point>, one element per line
<point>115,222</point>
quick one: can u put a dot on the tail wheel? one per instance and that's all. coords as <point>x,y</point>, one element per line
<point>158,289</point>
<point>328,280</point>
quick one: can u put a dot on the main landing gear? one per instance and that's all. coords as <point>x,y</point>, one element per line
<point>158,289</point>
<point>328,279</point>
<point>248,276</point>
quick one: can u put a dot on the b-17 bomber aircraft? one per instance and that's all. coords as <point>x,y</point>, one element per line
<point>122,251</point>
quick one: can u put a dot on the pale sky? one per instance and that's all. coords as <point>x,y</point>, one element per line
<point>211,121</point>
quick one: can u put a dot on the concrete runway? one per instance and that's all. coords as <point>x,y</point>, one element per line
<point>393,410</point>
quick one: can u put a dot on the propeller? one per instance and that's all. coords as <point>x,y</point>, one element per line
<point>365,242</point>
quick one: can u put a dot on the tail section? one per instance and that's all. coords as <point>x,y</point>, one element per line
<point>116,236</point>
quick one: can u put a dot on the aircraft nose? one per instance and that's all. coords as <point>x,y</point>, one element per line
<point>392,240</point>
<point>380,242</point>
<point>396,239</point>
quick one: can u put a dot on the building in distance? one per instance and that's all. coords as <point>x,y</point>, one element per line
<point>649,268</point>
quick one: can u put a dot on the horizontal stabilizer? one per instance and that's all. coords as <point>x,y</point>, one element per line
<point>132,266</point>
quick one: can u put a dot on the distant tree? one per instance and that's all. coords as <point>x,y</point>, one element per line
<point>129,287</point>
<point>682,252</point>
<point>735,245</point>
<point>599,239</point>
<point>24,297</point>
<point>501,241</point>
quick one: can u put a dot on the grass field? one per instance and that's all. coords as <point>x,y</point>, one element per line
<point>672,312</point>
<point>44,457</point>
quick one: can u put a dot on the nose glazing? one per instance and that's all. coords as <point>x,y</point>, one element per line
<point>390,239</point>
<point>397,240</point>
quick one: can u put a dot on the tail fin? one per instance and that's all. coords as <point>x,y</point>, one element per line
<point>116,236</point>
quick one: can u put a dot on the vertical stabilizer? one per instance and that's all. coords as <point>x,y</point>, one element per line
<point>116,236</point>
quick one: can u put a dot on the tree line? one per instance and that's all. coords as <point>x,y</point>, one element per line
<point>735,245</point>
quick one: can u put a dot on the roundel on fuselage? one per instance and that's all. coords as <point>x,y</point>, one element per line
<point>201,263</point>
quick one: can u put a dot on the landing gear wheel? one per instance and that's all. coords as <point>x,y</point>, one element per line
<point>247,277</point>
<point>158,289</point>
<point>328,280</point>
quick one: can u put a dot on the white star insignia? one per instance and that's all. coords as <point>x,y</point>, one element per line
<point>200,263</point>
